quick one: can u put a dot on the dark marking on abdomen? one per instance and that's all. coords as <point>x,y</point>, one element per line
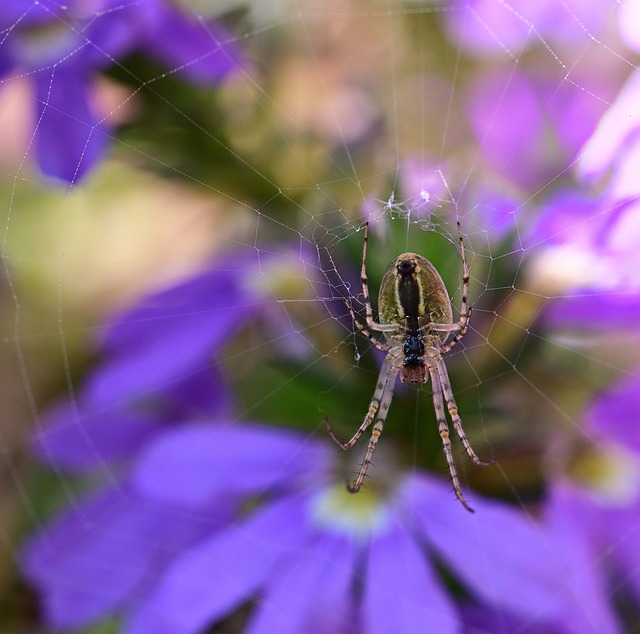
<point>409,295</point>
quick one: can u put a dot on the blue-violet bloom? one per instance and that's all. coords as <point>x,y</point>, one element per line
<point>323,560</point>
<point>62,46</point>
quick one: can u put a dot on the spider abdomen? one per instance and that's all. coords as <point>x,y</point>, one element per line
<point>412,294</point>
<point>412,288</point>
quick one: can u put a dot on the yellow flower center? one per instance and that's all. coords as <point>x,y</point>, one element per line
<point>610,474</point>
<point>359,514</point>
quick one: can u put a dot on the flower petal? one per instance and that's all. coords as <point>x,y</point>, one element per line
<point>192,464</point>
<point>214,577</point>
<point>506,559</point>
<point>311,594</point>
<point>105,550</point>
<point>609,414</point>
<point>621,542</point>
<point>70,139</point>
<point>401,592</point>
<point>482,619</point>
<point>572,519</point>
<point>78,440</point>
<point>170,336</point>
<point>82,436</point>
<point>201,52</point>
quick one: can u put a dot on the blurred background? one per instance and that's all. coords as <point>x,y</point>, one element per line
<point>147,143</point>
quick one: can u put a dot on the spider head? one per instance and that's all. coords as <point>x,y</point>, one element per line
<point>405,266</point>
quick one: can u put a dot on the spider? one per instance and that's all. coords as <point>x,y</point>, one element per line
<point>417,322</point>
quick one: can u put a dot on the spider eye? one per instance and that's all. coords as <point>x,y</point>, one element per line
<point>406,267</point>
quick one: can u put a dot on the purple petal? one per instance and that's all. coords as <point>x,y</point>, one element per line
<point>609,415</point>
<point>201,52</point>
<point>105,550</point>
<point>213,578</point>
<point>79,440</point>
<point>487,27</point>
<point>401,592</point>
<point>481,619</point>
<point>70,139</point>
<point>191,464</point>
<point>563,220</point>
<point>620,542</point>
<point>82,436</point>
<point>204,395</point>
<point>12,10</point>
<point>506,116</point>
<point>616,129</point>
<point>312,594</point>
<point>573,521</point>
<point>117,30</point>
<point>171,335</point>
<point>208,294</point>
<point>593,310</point>
<point>490,28</point>
<point>506,559</point>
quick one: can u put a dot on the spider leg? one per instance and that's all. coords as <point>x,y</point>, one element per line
<point>453,410</point>
<point>363,329</point>
<point>385,402</point>
<point>460,330</point>
<point>363,277</point>
<point>387,374</point>
<point>371,324</point>
<point>443,430</point>
<point>465,310</point>
<point>466,276</point>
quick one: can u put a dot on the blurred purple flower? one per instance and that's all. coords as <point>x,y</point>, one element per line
<point>310,543</point>
<point>530,127</point>
<point>585,258</point>
<point>629,23</point>
<point>487,27</point>
<point>158,360</point>
<point>613,151</point>
<point>62,47</point>
<point>597,498</point>
<point>197,519</point>
<point>107,550</point>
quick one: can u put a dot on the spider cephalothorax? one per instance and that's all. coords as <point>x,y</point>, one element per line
<point>416,318</point>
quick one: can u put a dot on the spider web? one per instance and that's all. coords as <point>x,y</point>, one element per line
<point>401,115</point>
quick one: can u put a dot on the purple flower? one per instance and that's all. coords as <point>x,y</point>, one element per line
<point>106,552</point>
<point>487,27</point>
<point>62,46</point>
<point>158,360</point>
<point>596,499</point>
<point>191,520</point>
<point>613,150</point>
<point>322,560</point>
<point>584,259</point>
<point>108,549</point>
<point>529,127</point>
